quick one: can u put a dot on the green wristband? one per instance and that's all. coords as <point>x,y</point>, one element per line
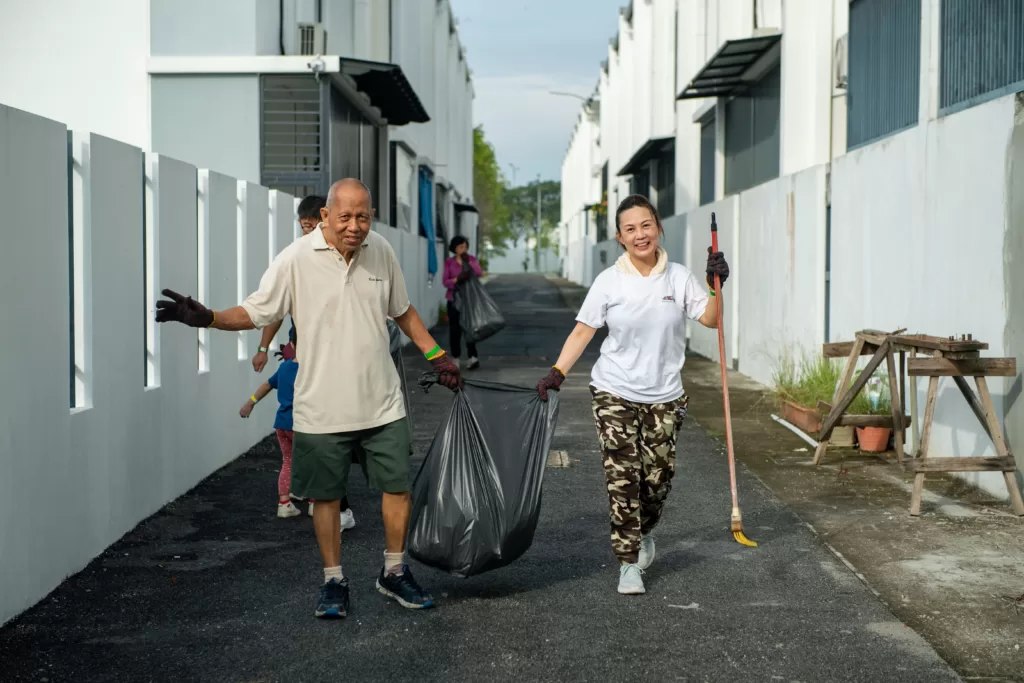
<point>432,353</point>
<point>712,292</point>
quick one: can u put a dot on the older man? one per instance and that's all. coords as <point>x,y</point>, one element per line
<point>340,284</point>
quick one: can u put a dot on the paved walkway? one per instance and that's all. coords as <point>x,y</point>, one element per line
<point>215,588</point>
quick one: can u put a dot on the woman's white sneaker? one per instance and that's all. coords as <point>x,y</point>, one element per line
<point>646,552</point>
<point>631,580</point>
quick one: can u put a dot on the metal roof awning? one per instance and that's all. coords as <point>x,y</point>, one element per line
<point>388,89</point>
<point>727,72</point>
<point>460,207</point>
<point>649,150</point>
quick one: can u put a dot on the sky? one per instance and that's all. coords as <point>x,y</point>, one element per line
<point>519,51</point>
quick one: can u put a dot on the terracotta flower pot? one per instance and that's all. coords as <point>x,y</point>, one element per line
<point>807,419</point>
<point>873,439</point>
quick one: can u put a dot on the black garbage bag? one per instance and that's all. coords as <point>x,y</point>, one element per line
<point>481,318</point>
<point>476,498</point>
<point>395,338</point>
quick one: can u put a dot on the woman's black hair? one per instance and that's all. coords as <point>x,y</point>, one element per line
<point>456,241</point>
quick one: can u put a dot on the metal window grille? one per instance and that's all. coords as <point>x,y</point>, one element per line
<point>666,184</point>
<point>292,133</point>
<point>884,68</point>
<point>640,182</point>
<point>752,135</point>
<point>707,161</point>
<point>981,51</point>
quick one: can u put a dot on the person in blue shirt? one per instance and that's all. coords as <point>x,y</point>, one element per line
<point>283,381</point>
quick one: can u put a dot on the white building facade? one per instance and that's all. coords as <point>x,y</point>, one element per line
<point>859,156</point>
<point>173,144</point>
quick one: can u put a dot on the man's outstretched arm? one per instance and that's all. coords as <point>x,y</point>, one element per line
<point>186,310</point>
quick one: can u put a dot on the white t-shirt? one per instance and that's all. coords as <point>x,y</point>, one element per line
<point>643,356</point>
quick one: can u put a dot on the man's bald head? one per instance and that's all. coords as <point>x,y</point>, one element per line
<point>347,187</point>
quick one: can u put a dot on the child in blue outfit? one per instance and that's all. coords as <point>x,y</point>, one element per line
<point>283,381</point>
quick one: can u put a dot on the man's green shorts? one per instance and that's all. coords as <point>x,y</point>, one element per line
<point>321,462</point>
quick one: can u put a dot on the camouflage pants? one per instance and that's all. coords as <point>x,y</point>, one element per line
<point>638,442</point>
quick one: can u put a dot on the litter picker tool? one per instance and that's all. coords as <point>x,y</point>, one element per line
<point>736,522</point>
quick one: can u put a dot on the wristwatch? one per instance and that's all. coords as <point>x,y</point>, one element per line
<point>263,349</point>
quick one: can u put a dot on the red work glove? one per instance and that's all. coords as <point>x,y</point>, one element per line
<point>287,352</point>
<point>550,382</point>
<point>448,374</point>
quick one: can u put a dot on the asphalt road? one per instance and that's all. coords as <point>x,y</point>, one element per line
<point>216,588</point>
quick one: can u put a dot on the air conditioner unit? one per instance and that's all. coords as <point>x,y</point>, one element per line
<point>840,60</point>
<point>311,39</point>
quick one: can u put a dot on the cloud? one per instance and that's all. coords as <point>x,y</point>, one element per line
<point>527,125</point>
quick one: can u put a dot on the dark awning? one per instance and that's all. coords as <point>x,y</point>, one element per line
<point>388,89</point>
<point>726,73</point>
<point>465,207</point>
<point>649,150</point>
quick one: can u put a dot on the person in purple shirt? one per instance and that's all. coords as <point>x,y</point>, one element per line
<point>457,269</point>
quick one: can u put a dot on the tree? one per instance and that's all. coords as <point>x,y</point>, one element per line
<point>489,187</point>
<point>522,211</point>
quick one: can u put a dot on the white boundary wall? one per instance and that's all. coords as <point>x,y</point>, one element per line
<point>153,409</point>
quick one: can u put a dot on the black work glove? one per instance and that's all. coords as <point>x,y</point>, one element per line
<point>717,266</point>
<point>448,374</point>
<point>550,382</point>
<point>182,309</point>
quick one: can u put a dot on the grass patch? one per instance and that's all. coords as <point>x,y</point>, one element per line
<point>815,378</point>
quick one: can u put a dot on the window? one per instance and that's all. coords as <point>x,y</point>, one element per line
<point>752,135</point>
<point>707,161</point>
<point>981,51</point>
<point>440,207</point>
<point>640,182</point>
<point>369,163</point>
<point>291,156</point>
<point>403,177</point>
<point>884,68</point>
<point>601,222</point>
<point>346,138</point>
<point>665,183</point>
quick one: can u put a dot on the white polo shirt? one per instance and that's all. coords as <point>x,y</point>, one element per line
<point>347,380</point>
<point>643,355</point>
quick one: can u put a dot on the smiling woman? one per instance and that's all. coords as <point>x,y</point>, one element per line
<point>638,399</point>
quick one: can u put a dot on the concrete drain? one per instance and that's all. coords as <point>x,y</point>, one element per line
<point>558,459</point>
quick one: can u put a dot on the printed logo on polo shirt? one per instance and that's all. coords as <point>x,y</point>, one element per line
<point>375,279</point>
<point>668,298</point>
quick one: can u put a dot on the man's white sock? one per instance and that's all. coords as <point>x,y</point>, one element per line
<point>393,563</point>
<point>332,573</point>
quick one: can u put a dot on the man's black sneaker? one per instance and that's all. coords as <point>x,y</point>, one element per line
<point>333,600</point>
<point>403,588</point>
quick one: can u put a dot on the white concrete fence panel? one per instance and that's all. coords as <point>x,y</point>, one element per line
<point>107,415</point>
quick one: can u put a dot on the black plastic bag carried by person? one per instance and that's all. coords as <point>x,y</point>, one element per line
<point>395,339</point>
<point>480,316</point>
<point>476,498</point>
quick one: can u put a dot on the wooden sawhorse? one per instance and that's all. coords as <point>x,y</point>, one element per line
<point>942,357</point>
